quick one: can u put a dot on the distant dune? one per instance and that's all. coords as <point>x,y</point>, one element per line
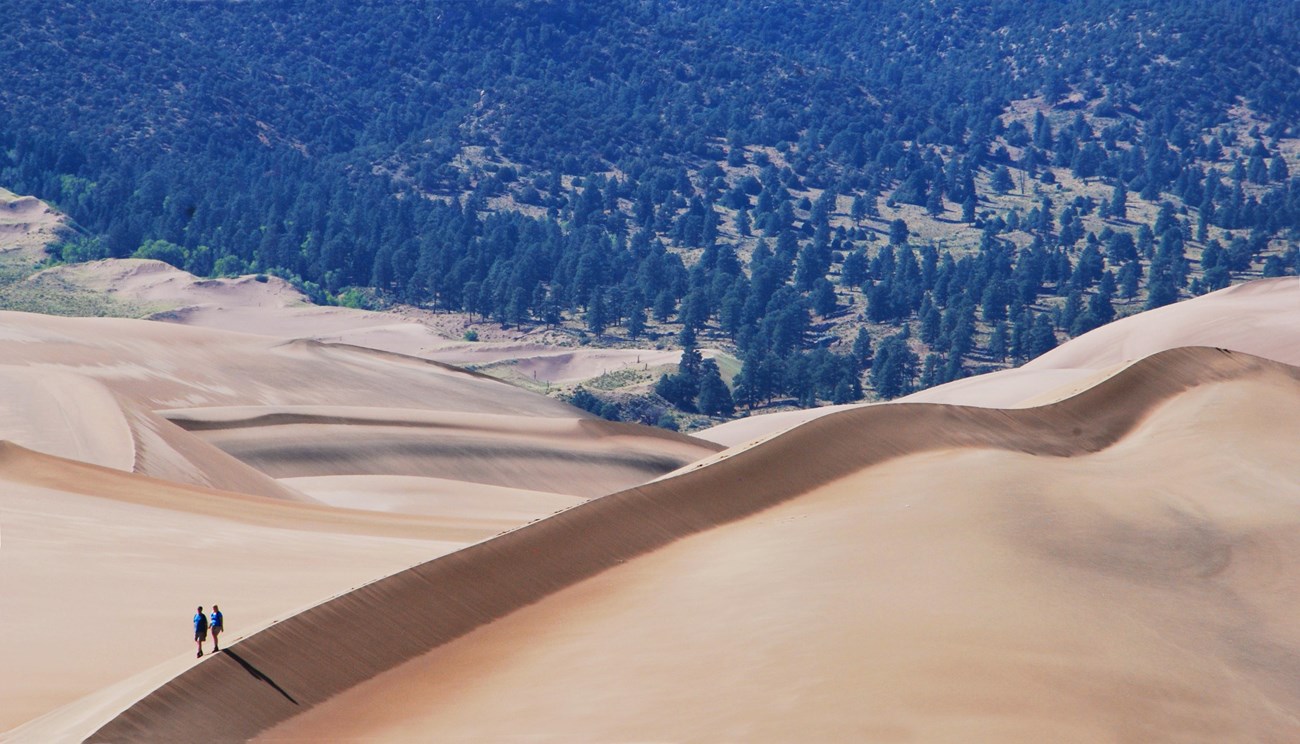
<point>1260,318</point>
<point>26,223</point>
<point>270,306</point>
<point>580,457</point>
<point>1113,566</point>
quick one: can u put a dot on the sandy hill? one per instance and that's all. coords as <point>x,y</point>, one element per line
<point>148,467</point>
<point>26,223</point>
<point>1115,566</point>
<point>269,306</point>
<point>179,401</point>
<point>1098,546</point>
<point>101,570</point>
<point>1260,318</point>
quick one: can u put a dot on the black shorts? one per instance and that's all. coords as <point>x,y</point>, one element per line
<point>201,635</point>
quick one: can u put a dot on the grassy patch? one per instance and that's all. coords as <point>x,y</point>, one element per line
<point>50,295</point>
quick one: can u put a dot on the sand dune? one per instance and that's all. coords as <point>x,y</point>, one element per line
<point>98,568</point>
<point>899,572</point>
<point>269,306</point>
<point>162,365</point>
<point>88,389</point>
<point>1112,564</point>
<point>580,457</point>
<point>26,224</point>
<point>1260,318</point>
<point>117,516</point>
<point>64,414</point>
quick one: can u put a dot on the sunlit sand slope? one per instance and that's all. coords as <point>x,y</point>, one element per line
<point>101,569</point>
<point>258,408</point>
<point>161,365</point>
<point>1116,566</point>
<point>1260,318</point>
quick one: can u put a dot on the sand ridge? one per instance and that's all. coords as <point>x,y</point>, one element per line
<point>116,514</point>
<point>1260,318</point>
<point>429,605</point>
<point>95,564</point>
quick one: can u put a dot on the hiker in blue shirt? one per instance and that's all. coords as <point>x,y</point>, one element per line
<point>200,629</point>
<point>217,624</point>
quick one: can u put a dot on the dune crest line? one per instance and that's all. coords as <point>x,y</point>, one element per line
<point>305,659</point>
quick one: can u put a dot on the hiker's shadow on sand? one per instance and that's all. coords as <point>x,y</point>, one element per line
<point>257,674</point>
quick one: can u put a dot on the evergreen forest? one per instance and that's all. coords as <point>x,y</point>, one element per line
<point>857,200</point>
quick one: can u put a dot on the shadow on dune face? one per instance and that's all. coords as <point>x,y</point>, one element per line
<point>257,674</point>
<point>340,643</point>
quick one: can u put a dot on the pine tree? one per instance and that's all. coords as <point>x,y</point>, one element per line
<point>1002,182</point>
<point>823,297</point>
<point>1042,337</point>
<point>898,232</point>
<point>998,342</point>
<point>862,352</point>
<point>1119,202</point>
<point>597,314</point>
<point>714,398</point>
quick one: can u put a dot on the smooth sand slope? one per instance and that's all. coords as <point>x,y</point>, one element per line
<point>1116,566</point>
<point>118,515</point>
<point>269,306</point>
<point>1261,318</point>
<point>209,408</point>
<point>100,570</point>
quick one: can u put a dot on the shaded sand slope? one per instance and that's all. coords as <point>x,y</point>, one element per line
<point>100,569</point>
<point>894,572</point>
<point>72,415</point>
<point>91,389</point>
<point>581,457</point>
<point>1260,318</point>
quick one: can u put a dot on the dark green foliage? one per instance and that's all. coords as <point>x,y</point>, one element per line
<point>823,297</point>
<point>1042,337</point>
<point>388,146</point>
<point>1002,182</point>
<point>715,397</point>
<point>893,371</point>
<point>898,232</point>
<point>582,398</point>
<point>862,351</point>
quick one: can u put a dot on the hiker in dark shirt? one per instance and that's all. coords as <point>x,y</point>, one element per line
<point>200,629</point>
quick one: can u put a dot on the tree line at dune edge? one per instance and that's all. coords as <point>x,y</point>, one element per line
<point>614,167</point>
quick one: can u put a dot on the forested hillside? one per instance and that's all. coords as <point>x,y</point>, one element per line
<point>859,198</point>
